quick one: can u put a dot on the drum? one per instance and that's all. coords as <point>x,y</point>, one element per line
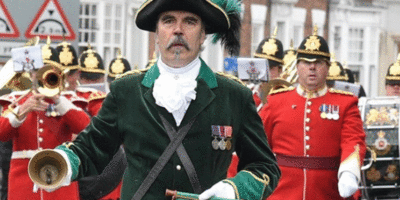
<point>380,117</point>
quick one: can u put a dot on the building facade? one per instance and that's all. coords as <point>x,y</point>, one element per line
<point>362,33</point>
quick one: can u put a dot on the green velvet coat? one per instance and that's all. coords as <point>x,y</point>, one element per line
<point>130,116</point>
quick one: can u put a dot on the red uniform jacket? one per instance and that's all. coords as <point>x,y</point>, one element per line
<point>36,132</point>
<point>94,97</point>
<point>294,127</point>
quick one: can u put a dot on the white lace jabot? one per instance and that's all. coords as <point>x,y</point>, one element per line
<point>174,89</point>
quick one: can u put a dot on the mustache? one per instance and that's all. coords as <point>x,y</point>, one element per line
<point>178,40</point>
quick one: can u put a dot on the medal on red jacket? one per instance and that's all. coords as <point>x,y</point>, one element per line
<point>323,109</point>
<point>329,115</point>
<point>335,112</point>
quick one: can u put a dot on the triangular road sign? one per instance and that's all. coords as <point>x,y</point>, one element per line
<point>7,25</point>
<point>50,21</point>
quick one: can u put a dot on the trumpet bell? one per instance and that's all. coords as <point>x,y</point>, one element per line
<point>50,80</point>
<point>47,169</point>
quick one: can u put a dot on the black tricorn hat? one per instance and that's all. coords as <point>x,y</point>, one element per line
<point>67,56</point>
<point>393,73</point>
<point>50,55</point>
<point>313,47</point>
<point>118,66</point>
<point>221,17</point>
<point>90,61</point>
<point>336,71</point>
<point>271,49</point>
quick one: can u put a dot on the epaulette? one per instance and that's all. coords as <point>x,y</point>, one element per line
<point>332,90</point>
<point>135,71</point>
<point>97,95</point>
<point>230,76</point>
<point>282,90</point>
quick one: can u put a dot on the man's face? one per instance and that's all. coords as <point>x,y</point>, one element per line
<point>179,36</point>
<point>392,89</point>
<point>275,71</point>
<point>312,75</point>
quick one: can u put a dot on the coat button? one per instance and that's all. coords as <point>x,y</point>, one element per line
<point>41,121</point>
<point>307,137</point>
<point>40,139</point>
<point>308,111</point>
<point>178,167</point>
<point>307,119</point>
<point>307,147</point>
<point>309,103</point>
<point>40,130</point>
<point>307,128</point>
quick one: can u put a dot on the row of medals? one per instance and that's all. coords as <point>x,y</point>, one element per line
<point>51,111</point>
<point>221,144</point>
<point>329,111</point>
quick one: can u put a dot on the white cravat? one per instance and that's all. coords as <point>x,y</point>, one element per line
<point>174,89</point>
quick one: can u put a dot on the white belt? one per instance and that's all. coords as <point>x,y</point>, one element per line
<point>23,154</point>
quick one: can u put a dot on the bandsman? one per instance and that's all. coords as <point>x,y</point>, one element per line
<point>316,133</point>
<point>37,122</point>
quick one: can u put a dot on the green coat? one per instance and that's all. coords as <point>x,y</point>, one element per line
<point>129,116</point>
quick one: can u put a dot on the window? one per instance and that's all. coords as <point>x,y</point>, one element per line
<point>113,28</point>
<point>337,39</point>
<point>87,25</point>
<point>297,35</point>
<point>280,35</point>
<point>356,45</point>
<point>257,36</point>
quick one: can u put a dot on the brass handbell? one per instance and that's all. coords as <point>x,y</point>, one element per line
<point>48,169</point>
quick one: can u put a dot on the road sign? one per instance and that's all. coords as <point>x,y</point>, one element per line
<point>50,20</point>
<point>7,25</point>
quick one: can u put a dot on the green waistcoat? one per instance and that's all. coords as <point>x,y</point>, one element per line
<point>130,116</point>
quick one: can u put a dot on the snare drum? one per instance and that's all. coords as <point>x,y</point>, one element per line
<point>380,116</point>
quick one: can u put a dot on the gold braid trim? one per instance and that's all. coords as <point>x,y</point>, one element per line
<point>135,71</point>
<point>265,179</point>
<point>268,57</point>
<point>230,76</point>
<point>395,78</point>
<point>102,71</point>
<point>354,155</point>
<point>68,144</point>
<point>332,90</point>
<point>282,90</point>
<point>320,53</point>
<point>96,95</point>
<point>234,187</point>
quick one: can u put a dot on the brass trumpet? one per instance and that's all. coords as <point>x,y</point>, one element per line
<point>50,81</point>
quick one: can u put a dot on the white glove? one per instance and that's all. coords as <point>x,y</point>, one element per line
<point>348,184</point>
<point>221,189</point>
<point>67,179</point>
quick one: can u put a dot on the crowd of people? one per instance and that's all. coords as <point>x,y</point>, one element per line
<point>178,125</point>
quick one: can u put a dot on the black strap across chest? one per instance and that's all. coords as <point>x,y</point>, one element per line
<point>175,145</point>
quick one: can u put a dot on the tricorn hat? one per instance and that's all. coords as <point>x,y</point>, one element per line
<point>90,61</point>
<point>271,49</point>
<point>313,47</point>
<point>67,56</point>
<point>118,66</point>
<point>393,73</point>
<point>50,55</point>
<point>336,71</point>
<point>221,17</point>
